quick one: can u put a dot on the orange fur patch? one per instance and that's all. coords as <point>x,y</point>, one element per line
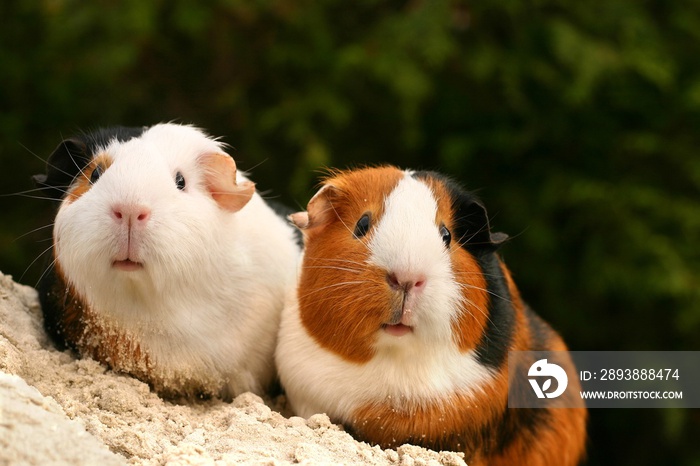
<point>476,425</point>
<point>82,183</point>
<point>342,301</point>
<point>512,290</point>
<point>471,322</point>
<point>454,423</point>
<point>521,337</point>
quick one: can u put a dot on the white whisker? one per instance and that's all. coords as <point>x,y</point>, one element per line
<point>330,267</point>
<point>352,231</point>
<point>34,261</point>
<point>472,287</point>
<point>335,285</point>
<point>50,225</point>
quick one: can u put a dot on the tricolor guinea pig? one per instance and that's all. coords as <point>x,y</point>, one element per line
<point>403,319</point>
<point>167,264</point>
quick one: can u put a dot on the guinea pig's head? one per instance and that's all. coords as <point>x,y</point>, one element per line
<point>142,209</point>
<point>392,259</point>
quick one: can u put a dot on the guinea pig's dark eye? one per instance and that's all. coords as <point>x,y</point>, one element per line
<point>362,226</point>
<point>179,181</point>
<point>446,235</point>
<point>95,175</point>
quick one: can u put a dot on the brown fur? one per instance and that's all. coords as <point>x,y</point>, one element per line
<point>92,337</point>
<point>346,205</point>
<point>108,344</point>
<point>469,326</point>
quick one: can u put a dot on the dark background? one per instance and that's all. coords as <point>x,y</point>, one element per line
<point>577,122</point>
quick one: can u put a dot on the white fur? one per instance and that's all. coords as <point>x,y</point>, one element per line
<point>422,366</point>
<point>206,304</point>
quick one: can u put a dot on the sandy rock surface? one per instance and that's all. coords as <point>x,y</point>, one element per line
<point>57,409</point>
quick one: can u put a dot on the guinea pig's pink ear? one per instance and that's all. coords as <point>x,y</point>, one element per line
<point>319,211</point>
<point>220,180</point>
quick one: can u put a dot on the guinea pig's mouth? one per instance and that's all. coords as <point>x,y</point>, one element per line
<point>127,265</point>
<point>399,323</point>
<point>397,330</point>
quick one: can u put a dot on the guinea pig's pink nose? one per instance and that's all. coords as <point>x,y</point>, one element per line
<point>405,281</point>
<point>131,214</point>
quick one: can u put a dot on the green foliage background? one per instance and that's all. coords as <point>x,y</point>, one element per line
<point>577,122</point>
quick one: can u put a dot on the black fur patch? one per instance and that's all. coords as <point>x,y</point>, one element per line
<point>473,233</point>
<point>56,302</point>
<point>472,230</point>
<point>73,154</point>
<point>492,349</point>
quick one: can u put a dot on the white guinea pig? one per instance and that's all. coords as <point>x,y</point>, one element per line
<point>403,320</point>
<point>167,264</point>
